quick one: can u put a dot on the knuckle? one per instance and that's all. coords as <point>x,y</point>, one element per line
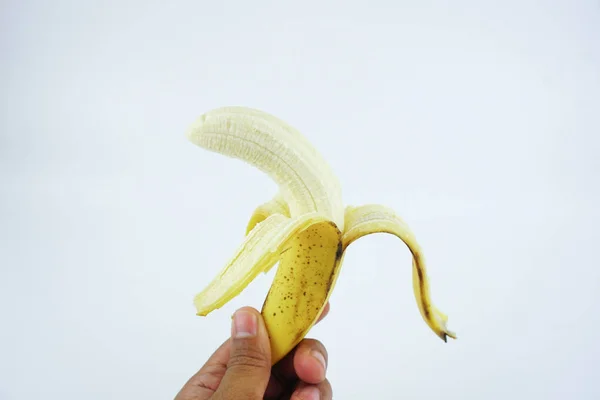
<point>233,393</point>
<point>210,378</point>
<point>324,389</point>
<point>249,358</point>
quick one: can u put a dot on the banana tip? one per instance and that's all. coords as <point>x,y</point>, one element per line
<point>193,131</point>
<point>444,335</point>
<point>449,334</point>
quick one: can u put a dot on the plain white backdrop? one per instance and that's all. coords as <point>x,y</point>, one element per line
<point>477,122</point>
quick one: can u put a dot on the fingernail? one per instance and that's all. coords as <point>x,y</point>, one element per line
<point>308,393</point>
<point>319,357</point>
<point>245,324</point>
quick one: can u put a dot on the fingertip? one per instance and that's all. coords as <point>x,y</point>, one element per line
<point>244,324</point>
<point>247,309</point>
<point>310,366</point>
<point>320,391</point>
<point>320,359</point>
<point>247,319</point>
<point>306,393</point>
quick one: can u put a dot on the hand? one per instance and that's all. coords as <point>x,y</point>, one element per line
<point>241,367</point>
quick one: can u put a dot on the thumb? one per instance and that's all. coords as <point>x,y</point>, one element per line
<point>249,367</point>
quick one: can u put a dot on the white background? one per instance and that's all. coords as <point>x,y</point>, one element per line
<point>476,121</point>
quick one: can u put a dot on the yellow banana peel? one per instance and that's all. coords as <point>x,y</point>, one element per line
<point>305,228</point>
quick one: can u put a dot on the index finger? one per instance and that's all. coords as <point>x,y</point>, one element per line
<point>206,381</point>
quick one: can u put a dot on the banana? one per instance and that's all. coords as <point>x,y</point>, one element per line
<point>305,228</point>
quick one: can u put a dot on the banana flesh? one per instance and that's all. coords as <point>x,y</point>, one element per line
<point>258,253</point>
<point>305,228</point>
<point>277,205</point>
<point>306,182</point>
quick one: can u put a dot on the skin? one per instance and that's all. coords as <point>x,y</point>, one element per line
<point>241,369</point>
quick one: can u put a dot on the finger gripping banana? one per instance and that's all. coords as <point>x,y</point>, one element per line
<point>305,228</point>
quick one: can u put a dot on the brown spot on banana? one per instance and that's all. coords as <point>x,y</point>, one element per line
<point>302,287</point>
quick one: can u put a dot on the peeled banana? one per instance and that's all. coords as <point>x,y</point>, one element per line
<point>305,228</point>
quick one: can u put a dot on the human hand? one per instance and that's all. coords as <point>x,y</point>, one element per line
<point>241,367</point>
